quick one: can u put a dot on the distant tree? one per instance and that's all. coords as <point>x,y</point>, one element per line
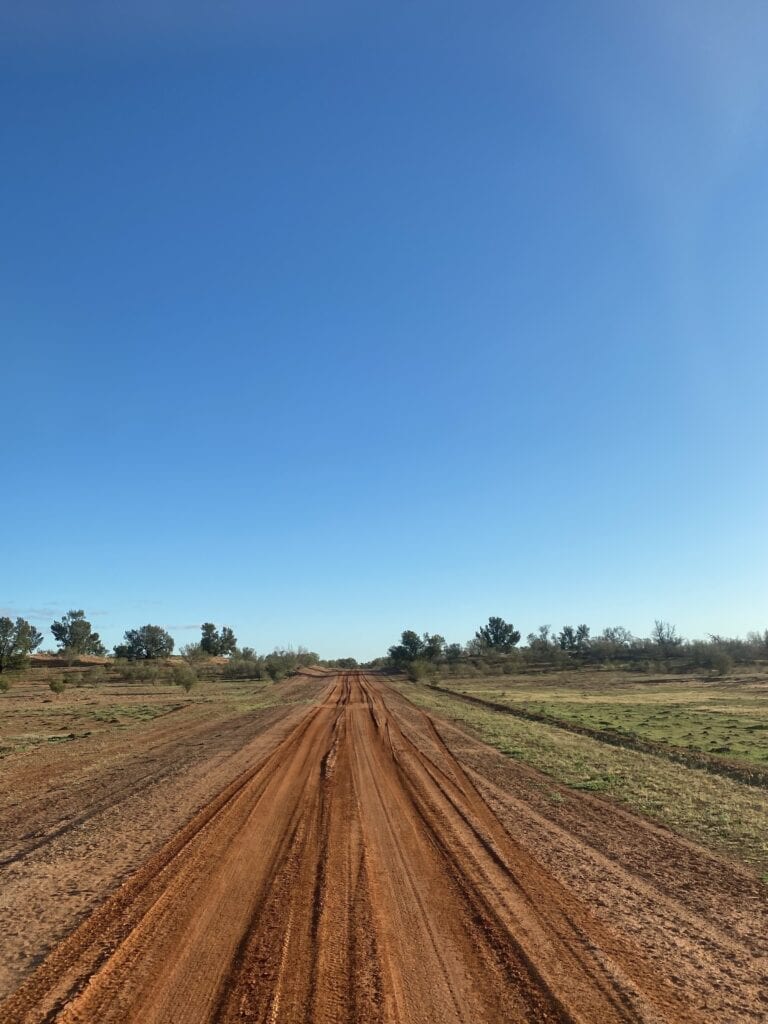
<point>618,636</point>
<point>665,636</point>
<point>758,640</point>
<point>193,653</point>
<point>217,642</point>
<point>145,643</point>
<point>17,641</point>
<point>209,638</point>
<point>74,634</point>
<point>227,641</point>
<point>574,640</point>
<point>433,645</point>
<point>410,648</point>
<point>453,652</point>
<point>542,641</point>
<point>413,647</point>
<point>567,638</point>
<point>582,638</point>
<point>498,634</point>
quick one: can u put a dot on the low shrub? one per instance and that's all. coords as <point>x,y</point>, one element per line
<point>721,663</point>
<point>242,666</point>
<point>184,676</point>
<point>422,671</point>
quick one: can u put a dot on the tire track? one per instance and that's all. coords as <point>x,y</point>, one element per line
<point>352,875</point>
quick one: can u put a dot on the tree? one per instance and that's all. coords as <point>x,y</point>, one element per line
<point>574,640</point>
<point>215,642</point>
<point>664,635</point>
<point>73,633</point>
<point>618,636</point>
<point>17,641</point>
<point>146,642</point>
<point>193,653</point>
<point>542,641</point>
<point>413,646</point>
<point>342,663</point>
<point>498,634</point>
<point>567,638</point>
<point>582,638</point>
<point>410,647</point>
<point>433,645</point>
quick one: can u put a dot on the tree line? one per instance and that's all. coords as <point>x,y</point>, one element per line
<point>76,637</point>
<point>577,645</point>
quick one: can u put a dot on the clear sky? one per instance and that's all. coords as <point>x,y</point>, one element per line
<point>327,320</point>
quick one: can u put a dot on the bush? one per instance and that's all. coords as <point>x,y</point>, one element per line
<point>76,679</point>
<point>57,685</point>
<point>243,666</point>
<point>184,676</point>
<point>274,671</point>
<point>4,685</point>
<point>193,654</point>
<point>721,663</point>
<point>146,673</point>
<point>422,671</point>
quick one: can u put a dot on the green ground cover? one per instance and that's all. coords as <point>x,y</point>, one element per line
<point>730,720</point>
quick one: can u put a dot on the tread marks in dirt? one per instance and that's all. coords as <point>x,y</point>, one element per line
<point>351,876</point>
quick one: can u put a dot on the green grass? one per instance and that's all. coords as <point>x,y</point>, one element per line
<point>124,714</point>
<point>728,720</point>
<point>717,812</point>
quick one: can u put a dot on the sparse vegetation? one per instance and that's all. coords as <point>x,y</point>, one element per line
<point>243,664</point>
<point>194,654</point>
<point>493,649</point>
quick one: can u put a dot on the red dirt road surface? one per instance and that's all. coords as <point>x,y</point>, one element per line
<point>359,871</point>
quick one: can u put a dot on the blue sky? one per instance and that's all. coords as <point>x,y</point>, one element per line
<point>325,321</point>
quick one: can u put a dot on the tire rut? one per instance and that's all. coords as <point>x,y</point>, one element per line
<point>352,875</point>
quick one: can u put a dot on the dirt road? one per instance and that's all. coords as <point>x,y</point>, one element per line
<point>352,875</point>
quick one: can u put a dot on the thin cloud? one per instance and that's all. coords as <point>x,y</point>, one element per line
<point>38,614</point>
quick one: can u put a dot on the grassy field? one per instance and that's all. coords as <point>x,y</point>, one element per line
<point>722,813</point>
<point>720,718</point>
<point>31,715</point>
